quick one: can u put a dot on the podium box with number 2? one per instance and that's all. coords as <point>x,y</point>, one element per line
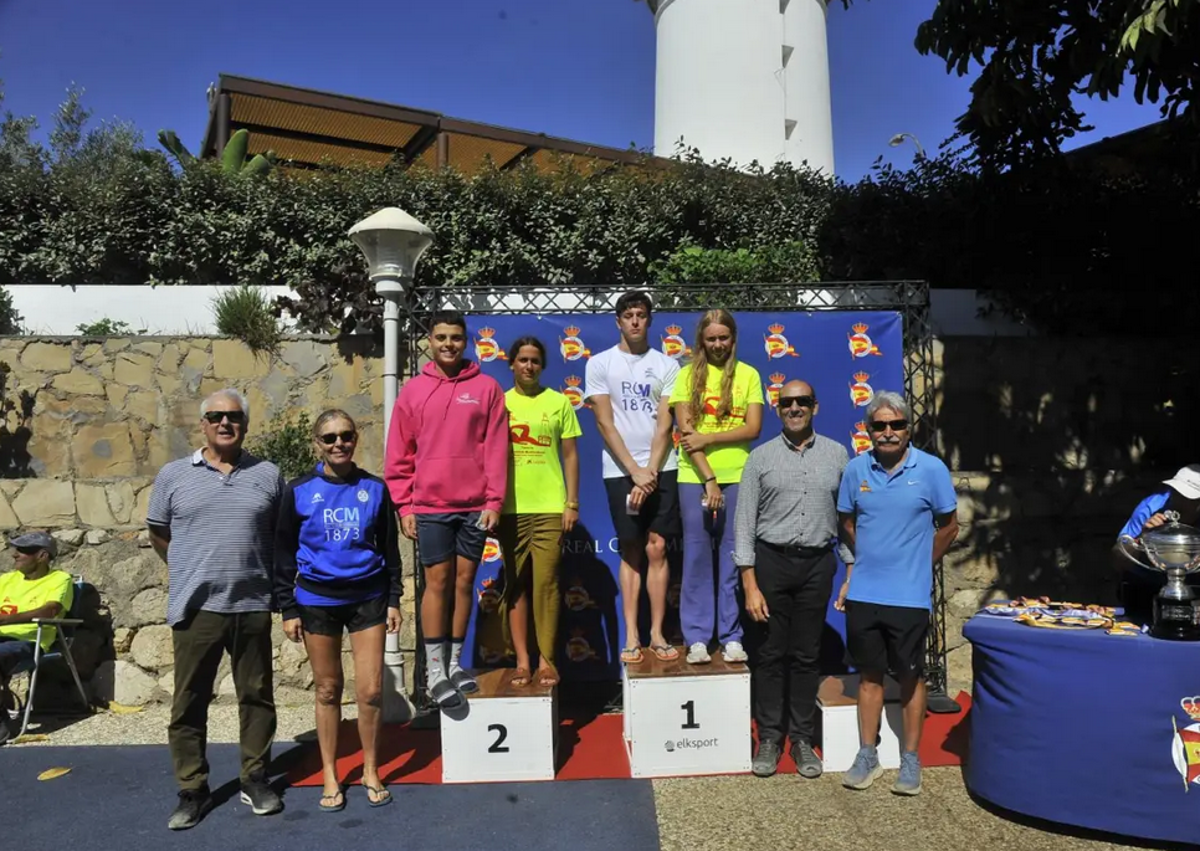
<point>504,733</point>
<point>683,719</point>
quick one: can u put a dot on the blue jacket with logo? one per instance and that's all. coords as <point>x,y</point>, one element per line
<point>335,542</point>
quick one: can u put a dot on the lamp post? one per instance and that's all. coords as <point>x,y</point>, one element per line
<point>899,138</point>
<point>392,242</point>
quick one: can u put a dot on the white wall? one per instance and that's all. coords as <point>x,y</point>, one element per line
<point>721,82</point>
<point>159,310</point>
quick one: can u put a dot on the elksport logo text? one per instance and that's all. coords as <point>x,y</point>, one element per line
<point>691,744</point>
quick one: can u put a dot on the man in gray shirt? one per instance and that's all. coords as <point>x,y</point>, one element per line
<point>785,530</point>
<point>212,518</point>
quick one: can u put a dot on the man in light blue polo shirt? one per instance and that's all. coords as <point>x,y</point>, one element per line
<point>897,511</point>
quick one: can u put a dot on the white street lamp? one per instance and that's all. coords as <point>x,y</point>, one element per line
<point>899,138</point>
<point>393,242</point>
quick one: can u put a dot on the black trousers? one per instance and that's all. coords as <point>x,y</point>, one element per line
<point>796,585</point>
<point>200,642</point>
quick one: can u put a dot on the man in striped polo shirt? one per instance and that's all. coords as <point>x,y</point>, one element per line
<point>212,518</point>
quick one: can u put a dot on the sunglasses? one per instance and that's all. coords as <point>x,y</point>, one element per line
<point>331,438</point>
<point>802,401</point>
<point>235,417</point>
<point>880,426</point>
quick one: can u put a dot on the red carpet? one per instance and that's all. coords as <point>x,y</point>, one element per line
<point>589,749</point>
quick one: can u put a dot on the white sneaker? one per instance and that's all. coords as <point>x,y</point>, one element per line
<point>734,652</point>
<point>698,654</point>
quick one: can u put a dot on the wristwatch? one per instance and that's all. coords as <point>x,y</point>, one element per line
<point>574,505</point>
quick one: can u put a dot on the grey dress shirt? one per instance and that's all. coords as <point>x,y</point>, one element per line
<point>788,497</point>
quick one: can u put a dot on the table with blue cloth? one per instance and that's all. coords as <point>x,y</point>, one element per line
<point>1085,728</point>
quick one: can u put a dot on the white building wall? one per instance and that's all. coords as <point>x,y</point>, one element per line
<point>160,310</point>
<point>187,309</point>
<point>806,85</point>
<point>727,84</point>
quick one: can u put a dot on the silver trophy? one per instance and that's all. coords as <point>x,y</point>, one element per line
<point>1173,549</point>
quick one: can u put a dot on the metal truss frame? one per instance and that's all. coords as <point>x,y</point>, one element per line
<point>909,298</point>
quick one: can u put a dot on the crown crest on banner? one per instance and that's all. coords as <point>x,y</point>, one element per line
<point>859,328</point>
<point>861,377</point>
<point>777,377</point>
<point>1191,707</point>
<point>487,333</point>
<point>571,330</point>
<point>775,328</point>
<point>573,381</point>
<point>674,330</point>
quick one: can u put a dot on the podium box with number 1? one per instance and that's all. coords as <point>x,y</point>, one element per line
<point>503,733</point>
<point>683,719</point>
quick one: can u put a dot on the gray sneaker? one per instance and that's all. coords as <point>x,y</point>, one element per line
<point>865,769</point>
<point>808,764</point>
<point>766,760</point>
<point>909,781</point>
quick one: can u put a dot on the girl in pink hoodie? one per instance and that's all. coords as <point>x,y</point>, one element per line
<point>446,467</point>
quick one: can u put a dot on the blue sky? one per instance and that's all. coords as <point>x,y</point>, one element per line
<point>582,69</point>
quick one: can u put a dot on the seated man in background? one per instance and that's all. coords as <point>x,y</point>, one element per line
<point>1139,586</point>
<point>32,590</point>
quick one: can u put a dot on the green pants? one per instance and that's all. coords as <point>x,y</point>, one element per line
<point>200,640</point>
<point>532,547</point>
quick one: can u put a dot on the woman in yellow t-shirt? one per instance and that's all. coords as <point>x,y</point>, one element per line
<point>540,508</point>
<point>718,404</point>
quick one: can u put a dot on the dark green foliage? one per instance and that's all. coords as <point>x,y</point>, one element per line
<point>108,328</point>
<point>246,312</point>
<point>287,443</point>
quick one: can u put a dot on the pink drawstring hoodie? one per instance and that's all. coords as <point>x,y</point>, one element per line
<point>447,447</point>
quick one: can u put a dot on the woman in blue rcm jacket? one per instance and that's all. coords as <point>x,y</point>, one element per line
<point>337,568</point>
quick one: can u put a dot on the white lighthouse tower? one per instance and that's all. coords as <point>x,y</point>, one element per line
<point>744,79</point>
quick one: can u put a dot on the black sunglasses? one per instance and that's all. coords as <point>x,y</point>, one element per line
<point>880,426</point>
<point>802,401</point>
<point>235,417</point>
<point>331,438</point>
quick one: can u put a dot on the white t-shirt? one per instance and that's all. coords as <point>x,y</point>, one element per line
<point>635,384</point>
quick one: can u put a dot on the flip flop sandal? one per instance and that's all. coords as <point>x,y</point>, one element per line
<point>523,675</point>
<point>382,796</point>
<point>631,655</point>
<point>333,808</point>
<point>446,695</point>
<point>665,652</point>
<point>464,682</point>
<point>547,677</point>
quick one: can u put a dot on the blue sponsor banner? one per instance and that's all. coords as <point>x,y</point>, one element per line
<point>845,356</point>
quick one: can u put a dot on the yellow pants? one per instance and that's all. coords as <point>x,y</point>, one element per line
<point>532,547</point>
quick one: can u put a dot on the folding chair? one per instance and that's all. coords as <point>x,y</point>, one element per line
<point>60,649</point>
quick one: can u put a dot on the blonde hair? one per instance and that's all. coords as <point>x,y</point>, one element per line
<point>700,365</point>
<point>329,415</point>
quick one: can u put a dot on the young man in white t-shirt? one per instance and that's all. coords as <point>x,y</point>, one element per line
<point>629,387</point>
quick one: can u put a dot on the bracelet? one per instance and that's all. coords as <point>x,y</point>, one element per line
<point>574,505</point>
<point>710,479</point>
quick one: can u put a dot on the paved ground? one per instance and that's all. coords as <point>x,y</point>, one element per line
<point>710,813</point>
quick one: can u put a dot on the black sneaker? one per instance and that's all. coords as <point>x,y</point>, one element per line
<point>261,798</point>
<point>194,805</point>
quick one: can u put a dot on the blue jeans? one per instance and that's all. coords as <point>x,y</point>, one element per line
<point>708,608</point>
<point>15,656</point>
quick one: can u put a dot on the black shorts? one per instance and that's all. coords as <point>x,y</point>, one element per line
<point>887,639</point>
<point>351,617</point>
<point>442,536</point>
<point>659,514</point>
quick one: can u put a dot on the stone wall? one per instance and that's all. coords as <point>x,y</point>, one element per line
<point>1052,441</point>
<point>105,415</point>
